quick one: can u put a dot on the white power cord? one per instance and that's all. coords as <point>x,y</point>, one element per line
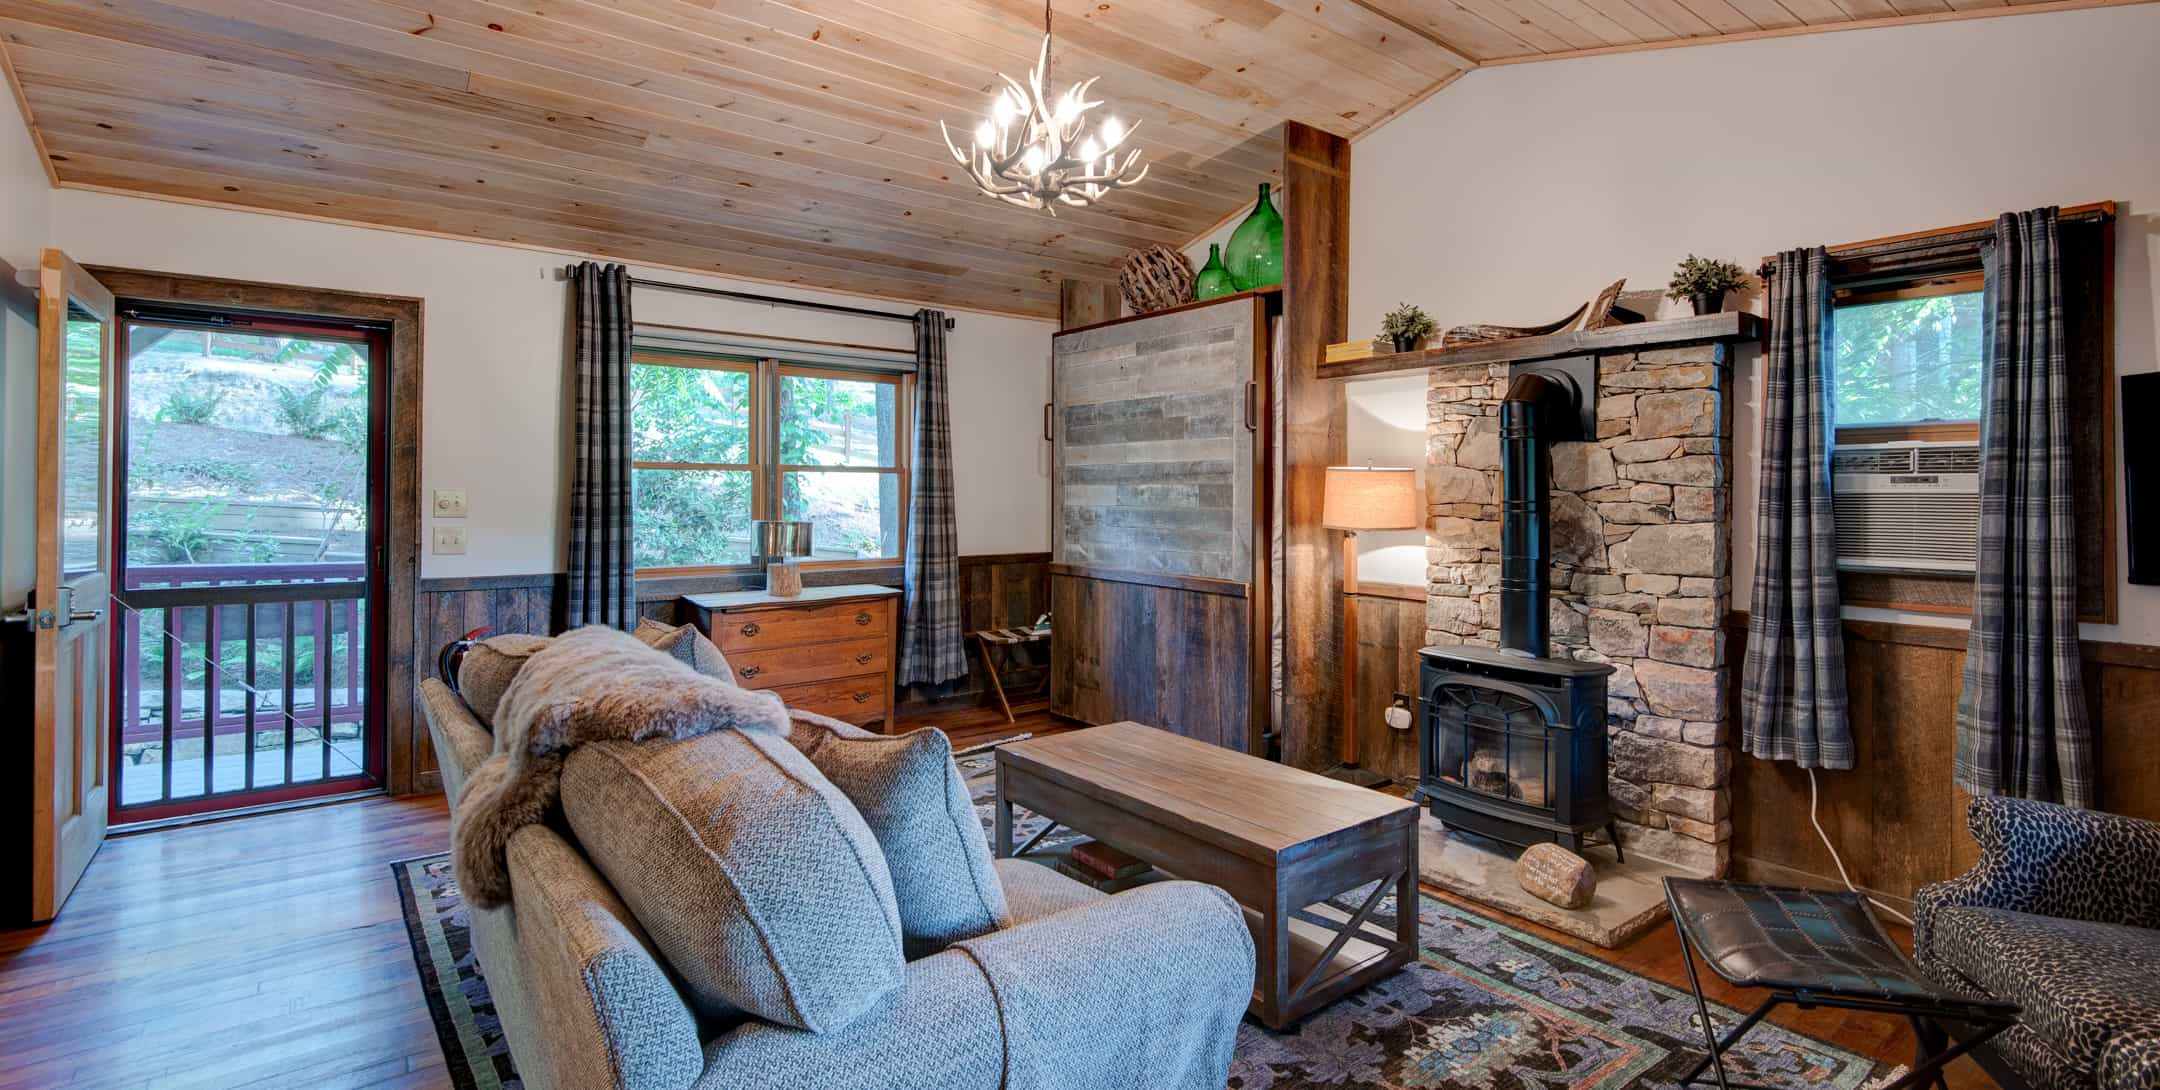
<point>1842,876</point>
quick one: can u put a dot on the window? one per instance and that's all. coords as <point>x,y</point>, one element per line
<point>1905,362</point>
<point>720,443</point>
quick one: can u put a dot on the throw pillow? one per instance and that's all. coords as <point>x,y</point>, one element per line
<point>488,669</point>
<point>753,875</point>
<point>916,802</point>
<point>689,647</point>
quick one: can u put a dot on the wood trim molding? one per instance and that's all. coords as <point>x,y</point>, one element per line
<point>1225,587</point>
<point>1947,638</point>
<point>1273,295</point>
<point>1400,591</point>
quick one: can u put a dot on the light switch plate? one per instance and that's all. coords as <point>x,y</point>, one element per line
<point>449,540</point>
<point>449,503</point>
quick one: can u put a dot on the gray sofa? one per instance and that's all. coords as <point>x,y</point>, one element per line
<point>1159,974</point>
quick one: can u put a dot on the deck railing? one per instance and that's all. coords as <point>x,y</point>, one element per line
<point>273,615</point>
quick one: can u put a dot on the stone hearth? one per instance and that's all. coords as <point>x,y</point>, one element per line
<point>1640,552</point>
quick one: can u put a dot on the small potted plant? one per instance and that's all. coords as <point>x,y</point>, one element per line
<point>1406,325</point>
<point>1704,281</point>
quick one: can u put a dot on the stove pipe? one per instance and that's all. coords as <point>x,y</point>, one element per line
<point>1535,402</point>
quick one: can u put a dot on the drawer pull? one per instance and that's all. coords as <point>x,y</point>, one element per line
<point>862,617</point>
<point>752,671</point>
<point>864,659</point>
<point>751,629</point>
<point>862,698</point>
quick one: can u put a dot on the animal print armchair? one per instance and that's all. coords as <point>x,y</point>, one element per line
<point>2061,916</point>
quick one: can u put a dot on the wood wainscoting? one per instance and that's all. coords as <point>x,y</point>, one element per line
<point>1896,818</point>
<point>1003,590</point>
<point>1390,630</point>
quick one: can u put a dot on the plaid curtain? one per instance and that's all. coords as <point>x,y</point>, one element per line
<point>2021,719</point>
<point>930,647</point>
<point>1793,683</point>
<point>602,590</point>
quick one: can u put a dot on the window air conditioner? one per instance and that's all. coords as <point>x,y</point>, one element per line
<point>1907,506</point>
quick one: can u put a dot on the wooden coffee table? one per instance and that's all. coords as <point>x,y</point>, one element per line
<point>1276,838</point>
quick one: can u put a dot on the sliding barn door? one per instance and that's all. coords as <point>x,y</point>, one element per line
<point>1158,573</point>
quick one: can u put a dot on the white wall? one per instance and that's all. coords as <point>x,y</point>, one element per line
<point>1520,191</point>
<point>24,215</point>
<point>493,328</point>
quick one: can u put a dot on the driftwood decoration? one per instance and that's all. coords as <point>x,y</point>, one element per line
<point>1596,314</point>
<point>1155,278</point>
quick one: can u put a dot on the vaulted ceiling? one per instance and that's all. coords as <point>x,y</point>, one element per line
<point>792,141</point>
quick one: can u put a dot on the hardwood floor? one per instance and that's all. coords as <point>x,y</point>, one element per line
<point>269,952</point>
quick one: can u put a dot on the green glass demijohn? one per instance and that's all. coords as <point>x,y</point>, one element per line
<point>1214,280</point>
<point>1254,255</point>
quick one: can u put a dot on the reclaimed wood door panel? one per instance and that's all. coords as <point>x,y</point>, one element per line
<point>1174,657</point>
<point>1157,572</point>
<point>1154,443</point>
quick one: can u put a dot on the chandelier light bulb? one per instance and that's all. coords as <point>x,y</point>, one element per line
<point>1030,153</point>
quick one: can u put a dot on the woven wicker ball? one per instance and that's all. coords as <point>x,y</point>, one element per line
<point>1154,278</point>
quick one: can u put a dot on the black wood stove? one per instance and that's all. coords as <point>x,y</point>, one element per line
<point>1512,743</point>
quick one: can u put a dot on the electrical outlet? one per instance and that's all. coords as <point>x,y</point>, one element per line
<point>449,503</point>
<point>449,540</point>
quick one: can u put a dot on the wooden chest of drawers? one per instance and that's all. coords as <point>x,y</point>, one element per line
<point>830,650</point>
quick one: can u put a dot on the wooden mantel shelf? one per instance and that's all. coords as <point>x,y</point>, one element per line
<point>1641,336</point>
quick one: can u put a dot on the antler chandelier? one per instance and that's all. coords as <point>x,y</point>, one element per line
<point>1033,155</point>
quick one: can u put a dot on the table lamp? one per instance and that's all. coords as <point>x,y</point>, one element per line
<point>777,543</point>
<point>1362,498</point>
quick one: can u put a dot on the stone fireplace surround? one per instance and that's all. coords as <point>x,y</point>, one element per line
<point>1641,556</point>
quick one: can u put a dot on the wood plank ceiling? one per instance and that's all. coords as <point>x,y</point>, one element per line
<point>789,141</point>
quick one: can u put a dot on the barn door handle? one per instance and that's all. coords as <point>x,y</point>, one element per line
<point>1047,435</point>
<point>863,659</point>
<point>752,671</point>
<point>863,617</point>
<point>1252,406</point>
<point>751,629</point>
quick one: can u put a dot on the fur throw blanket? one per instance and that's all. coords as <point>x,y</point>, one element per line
<point>593,684</point>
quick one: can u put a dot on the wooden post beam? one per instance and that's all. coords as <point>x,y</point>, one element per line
<point>1316,307</point>
<point>1086,302</point>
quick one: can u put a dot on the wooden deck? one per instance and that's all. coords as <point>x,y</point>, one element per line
<point>269,952</point>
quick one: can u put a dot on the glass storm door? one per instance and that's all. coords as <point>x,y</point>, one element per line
<point>251,477</point>
<point>68,606</point>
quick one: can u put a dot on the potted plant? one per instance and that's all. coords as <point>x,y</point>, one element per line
<point>1406,325</point>
<point>1704,281</point>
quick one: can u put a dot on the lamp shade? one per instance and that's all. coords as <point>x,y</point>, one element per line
<point>1367,498</point>
<point>775,538</point>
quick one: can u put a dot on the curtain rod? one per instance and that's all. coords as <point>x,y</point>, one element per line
<point>771,300</point>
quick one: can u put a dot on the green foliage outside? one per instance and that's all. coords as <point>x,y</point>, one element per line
<point>701,416</point>
<point>1908,360</point>
<point>192,405</point>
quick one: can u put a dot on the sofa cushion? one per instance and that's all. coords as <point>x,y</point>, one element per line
<point>488,669</point>
<point>916,803</point>
<point>688,646</point>
<point>757,880</point>
<point>2080,983</point>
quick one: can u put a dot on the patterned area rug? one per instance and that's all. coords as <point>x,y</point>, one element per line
<point>1487,1007</point>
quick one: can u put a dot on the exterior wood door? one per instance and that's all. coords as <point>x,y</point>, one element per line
<point>71,662</point>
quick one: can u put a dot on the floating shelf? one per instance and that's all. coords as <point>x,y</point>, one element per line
<point>1641,336</point>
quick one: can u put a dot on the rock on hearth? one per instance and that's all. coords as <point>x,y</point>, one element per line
<point>1556,875</point>
<point>1677,549</point>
